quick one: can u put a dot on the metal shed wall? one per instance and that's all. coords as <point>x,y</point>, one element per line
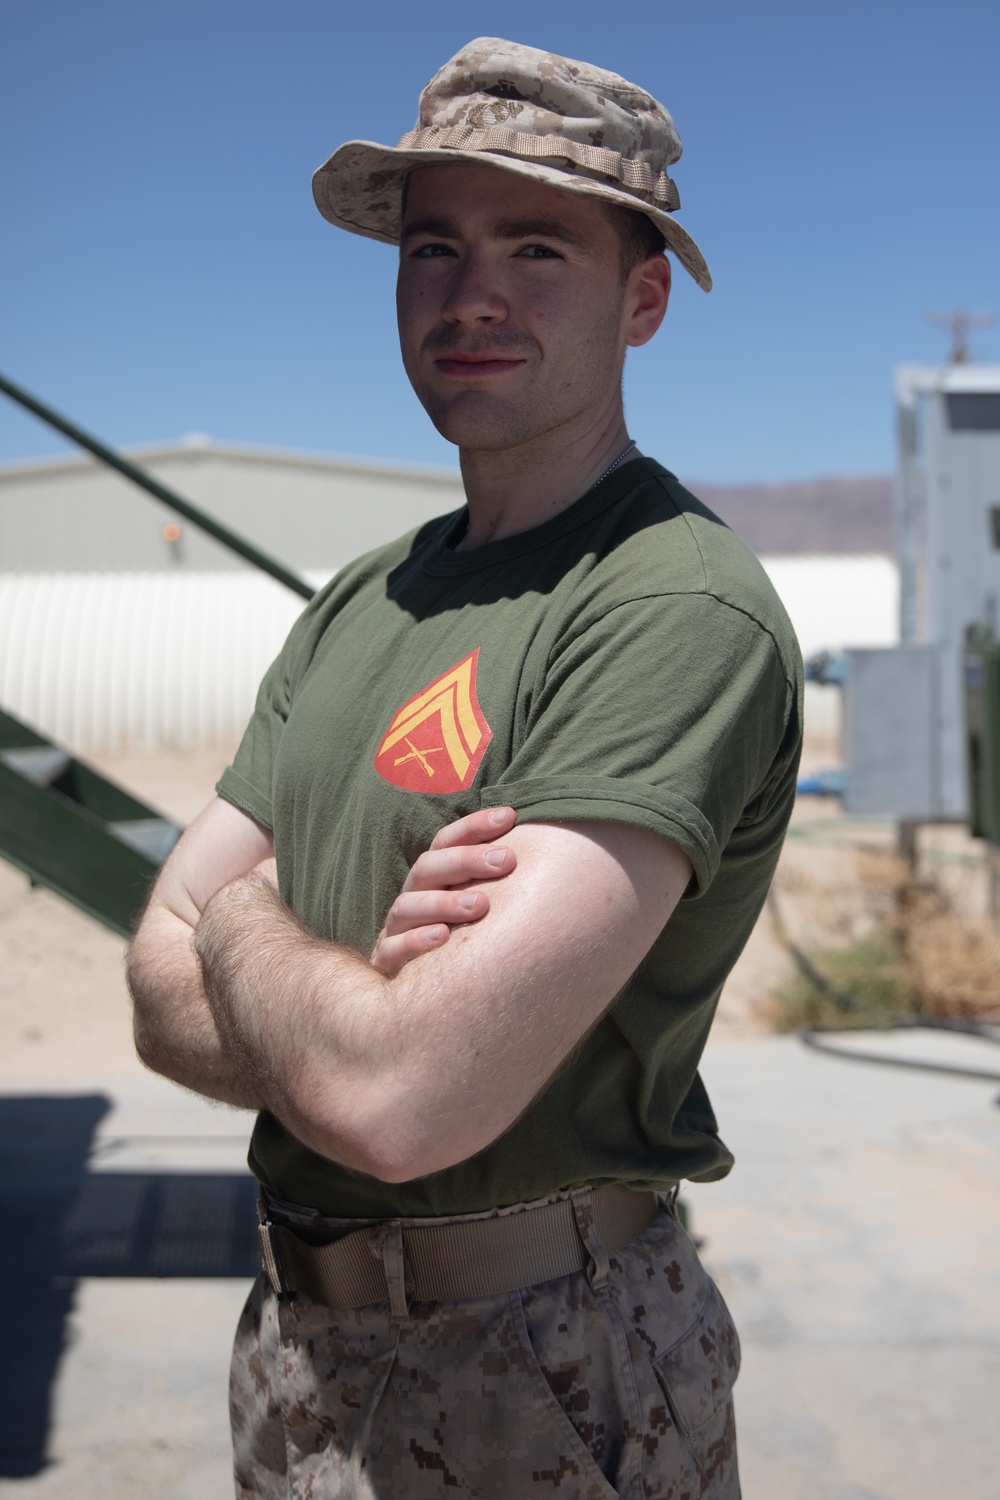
<point>310,512</point>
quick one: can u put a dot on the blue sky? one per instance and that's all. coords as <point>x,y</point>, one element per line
<point>164,269</point>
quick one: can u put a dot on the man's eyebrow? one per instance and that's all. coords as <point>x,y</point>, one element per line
<point>505,229</point>
<point>543,229</point>
<point>431,224</point>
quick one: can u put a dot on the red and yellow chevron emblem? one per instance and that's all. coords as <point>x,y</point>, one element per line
<point>438,738</point>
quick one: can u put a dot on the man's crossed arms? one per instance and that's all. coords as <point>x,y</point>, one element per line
<point>415,1059</point>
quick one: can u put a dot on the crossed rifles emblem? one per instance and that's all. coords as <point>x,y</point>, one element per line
<point>443,719</point>
<point>420,755</point>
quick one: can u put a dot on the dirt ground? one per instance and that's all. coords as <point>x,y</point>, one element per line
<point>63,1003</point>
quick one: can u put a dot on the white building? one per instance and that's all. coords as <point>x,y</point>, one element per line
<point>314,513</point>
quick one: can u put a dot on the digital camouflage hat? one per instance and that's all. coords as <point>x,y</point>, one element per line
<point>534,113</point>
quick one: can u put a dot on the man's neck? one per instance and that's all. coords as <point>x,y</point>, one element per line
<point>516,489</point>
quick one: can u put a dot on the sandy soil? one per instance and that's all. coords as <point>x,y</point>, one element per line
<point>63,1004</point>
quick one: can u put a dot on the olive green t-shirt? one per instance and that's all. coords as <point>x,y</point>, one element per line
<point>627,660</point>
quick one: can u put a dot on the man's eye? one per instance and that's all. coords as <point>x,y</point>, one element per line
<point>540,252</point>
<point>431,251</point>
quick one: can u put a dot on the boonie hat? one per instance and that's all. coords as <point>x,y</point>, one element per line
<point>534,113</point>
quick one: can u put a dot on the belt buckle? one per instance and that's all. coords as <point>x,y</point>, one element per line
<point>270,1253</point>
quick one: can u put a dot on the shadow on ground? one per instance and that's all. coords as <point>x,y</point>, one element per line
<point>62,1222</point>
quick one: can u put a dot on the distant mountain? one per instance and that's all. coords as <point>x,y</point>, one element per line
<point>837,515</point>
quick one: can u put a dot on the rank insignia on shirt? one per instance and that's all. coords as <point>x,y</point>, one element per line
<point>438,738</point>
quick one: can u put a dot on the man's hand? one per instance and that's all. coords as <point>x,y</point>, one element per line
<point>441,892</point>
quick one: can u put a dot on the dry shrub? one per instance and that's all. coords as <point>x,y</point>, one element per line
<point>956,968</point>
<point>893,944</point>
<point>863,985</point>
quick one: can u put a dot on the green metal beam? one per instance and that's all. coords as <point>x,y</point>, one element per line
<point>159,491</point>
<point>68,849</point>
<point>70,829</point>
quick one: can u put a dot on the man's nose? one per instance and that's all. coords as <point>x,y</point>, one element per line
<point>474,295</point>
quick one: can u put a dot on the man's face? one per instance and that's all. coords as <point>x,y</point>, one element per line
<point>510,304</point>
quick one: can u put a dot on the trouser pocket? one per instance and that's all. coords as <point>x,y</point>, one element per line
<point>569,1354</point>
<point>696,1375</point>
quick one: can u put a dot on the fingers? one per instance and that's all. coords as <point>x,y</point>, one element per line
<point>421,921</point>
<point>413,909</point>
<point>391,953</point>
<point>441,869</point>
<point>478,828</point>
<point>462,852</point>
<point>435,898</point>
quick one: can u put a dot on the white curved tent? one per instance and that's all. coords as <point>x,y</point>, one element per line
<point>102,661</point>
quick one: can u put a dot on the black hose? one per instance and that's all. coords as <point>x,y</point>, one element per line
<point>814,1036</point>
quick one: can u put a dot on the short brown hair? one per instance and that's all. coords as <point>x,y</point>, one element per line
<point>637,235</point>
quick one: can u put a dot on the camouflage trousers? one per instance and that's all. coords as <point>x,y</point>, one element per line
<point>612,1382</point>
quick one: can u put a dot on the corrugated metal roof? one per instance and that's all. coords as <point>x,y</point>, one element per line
<point>196,444</point>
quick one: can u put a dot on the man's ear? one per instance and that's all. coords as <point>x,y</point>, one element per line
<point>646,299</point>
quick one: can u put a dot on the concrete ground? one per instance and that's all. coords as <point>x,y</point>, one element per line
<point>857,1241</point>
<point>858,1244</point>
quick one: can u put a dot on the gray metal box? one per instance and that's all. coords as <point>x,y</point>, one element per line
<point>891,712</point>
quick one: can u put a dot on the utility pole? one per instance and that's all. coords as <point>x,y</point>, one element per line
<point>959,324</point>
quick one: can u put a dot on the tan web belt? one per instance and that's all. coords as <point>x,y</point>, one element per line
<point>454,1259</point>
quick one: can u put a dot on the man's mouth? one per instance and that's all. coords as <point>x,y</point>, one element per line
<point>475,366</point>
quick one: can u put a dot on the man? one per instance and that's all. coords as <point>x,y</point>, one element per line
<point>471,1284</point>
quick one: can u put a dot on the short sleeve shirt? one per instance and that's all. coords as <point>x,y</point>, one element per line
<point>626,661</point>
